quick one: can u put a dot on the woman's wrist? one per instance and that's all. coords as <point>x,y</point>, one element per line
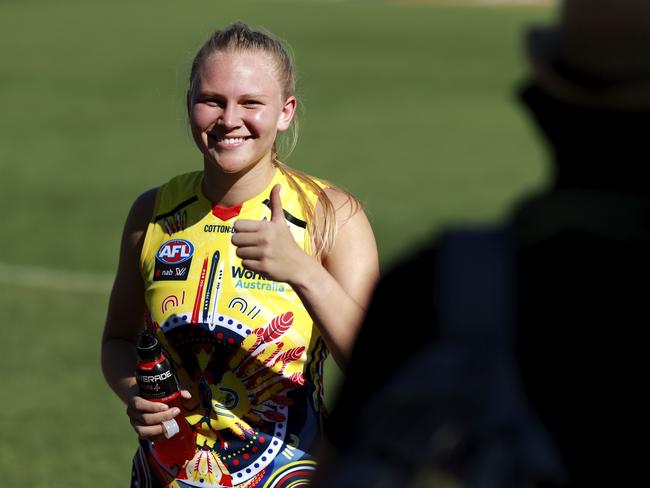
<point>127,388</point>
<point>309,276</point>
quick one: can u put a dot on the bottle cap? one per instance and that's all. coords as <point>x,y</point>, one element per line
<point>170,428</point>
<point>148,346</point>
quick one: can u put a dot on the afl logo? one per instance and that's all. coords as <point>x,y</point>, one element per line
<point>175,252</point>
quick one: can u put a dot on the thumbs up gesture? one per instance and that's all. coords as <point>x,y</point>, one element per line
<point>267,246</point>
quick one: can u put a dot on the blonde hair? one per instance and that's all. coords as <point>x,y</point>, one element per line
<point>239,36</point>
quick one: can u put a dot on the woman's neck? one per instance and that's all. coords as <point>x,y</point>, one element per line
<point>230,189</point>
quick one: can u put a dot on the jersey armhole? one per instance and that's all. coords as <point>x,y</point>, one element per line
<point>310,240</point>
<point>147,237</point>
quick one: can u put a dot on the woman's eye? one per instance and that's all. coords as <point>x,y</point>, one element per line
<point>210,102</point>
<point>251,103</point>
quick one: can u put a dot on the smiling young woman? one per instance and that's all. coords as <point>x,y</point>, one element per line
<point>237,106</point>
<point>249,272</point>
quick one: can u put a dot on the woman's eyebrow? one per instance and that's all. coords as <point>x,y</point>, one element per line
<point>253,95</point>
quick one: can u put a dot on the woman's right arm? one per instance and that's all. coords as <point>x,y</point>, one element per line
<point>124,321</point>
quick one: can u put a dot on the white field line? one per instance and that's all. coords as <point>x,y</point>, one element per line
<point>515,3</point>
<point>55,279</point>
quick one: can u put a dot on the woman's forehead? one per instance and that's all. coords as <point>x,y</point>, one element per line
<point>237,72</point>
<point>248,59</point>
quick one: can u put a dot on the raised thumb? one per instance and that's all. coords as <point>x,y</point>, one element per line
<point>277,213</point>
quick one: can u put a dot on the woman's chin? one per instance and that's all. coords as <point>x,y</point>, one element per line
<point>230,165</point>
<point>229,168</point>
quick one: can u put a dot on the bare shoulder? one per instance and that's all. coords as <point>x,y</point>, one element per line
<point>146,200</point>
<point>345,206</point>
<point>139,216</point>
<point>352,225</point>
<point>353,259</point>
<point>143,207</point>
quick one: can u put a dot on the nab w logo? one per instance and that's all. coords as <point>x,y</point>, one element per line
<point>175,252</point>
<point>173,260</point>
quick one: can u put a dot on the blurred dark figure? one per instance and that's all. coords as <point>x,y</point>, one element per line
<point>574,264</point>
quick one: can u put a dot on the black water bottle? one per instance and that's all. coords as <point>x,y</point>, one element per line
<point>158,383</point>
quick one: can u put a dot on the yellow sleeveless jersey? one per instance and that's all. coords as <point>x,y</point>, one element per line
<point>243,344</point>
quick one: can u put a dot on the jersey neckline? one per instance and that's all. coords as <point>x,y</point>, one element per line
<point>232,211</point>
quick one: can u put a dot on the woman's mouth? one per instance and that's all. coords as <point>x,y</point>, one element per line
<point>229,142</point>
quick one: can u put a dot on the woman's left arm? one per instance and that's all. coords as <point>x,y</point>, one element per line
<point>336,291</point>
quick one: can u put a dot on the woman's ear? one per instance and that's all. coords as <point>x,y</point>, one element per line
<point>288,111</point>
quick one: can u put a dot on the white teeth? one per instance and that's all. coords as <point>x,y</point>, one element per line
<point>233,140</point>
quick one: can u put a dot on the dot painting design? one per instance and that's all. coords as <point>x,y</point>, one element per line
<point>232,365</point>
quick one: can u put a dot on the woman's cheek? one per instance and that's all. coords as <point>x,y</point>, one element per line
<point>202,116</point>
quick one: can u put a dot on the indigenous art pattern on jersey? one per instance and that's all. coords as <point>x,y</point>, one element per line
<point>242,344</point>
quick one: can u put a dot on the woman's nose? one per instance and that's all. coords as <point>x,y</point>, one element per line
<point>229,117</point>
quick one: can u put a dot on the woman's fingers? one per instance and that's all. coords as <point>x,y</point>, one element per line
<point>159,418</point>
<point>254,265</point>
<point>152,431</point>
<point>250,252</point>
<point>142,418</point>
<point>268,246</point>
<point>138,403</point>
<point>245,225</point>
<point>147,417</point>
<point>246,239</point>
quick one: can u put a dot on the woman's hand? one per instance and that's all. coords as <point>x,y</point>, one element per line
<point>267,246</point>
<point>335,292</point>
<point>147,416</point>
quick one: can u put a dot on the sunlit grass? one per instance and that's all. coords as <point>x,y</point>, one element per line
<point>410,107</point>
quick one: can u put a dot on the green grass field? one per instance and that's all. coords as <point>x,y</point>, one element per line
<point>410,107</point>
